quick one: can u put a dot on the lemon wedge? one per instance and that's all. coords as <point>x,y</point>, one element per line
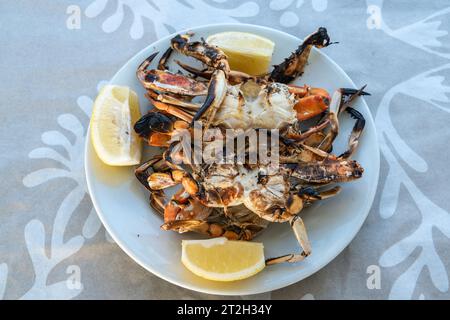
<point>220,259</point>
<point>115,110</point>
<point>246,52</point>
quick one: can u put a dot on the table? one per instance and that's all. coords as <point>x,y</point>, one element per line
<point>54,57</point>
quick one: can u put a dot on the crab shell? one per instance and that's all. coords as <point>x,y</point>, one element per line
<point>250,105</point>
<point>233,185</point>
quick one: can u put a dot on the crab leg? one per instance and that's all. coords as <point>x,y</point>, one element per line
<point>165,81</point>
<point>162,177</point>
<point>157,197</point>
<point>303,91</point>
<point>305,196</point>
<point>217,91</point>
<point>310,194</point>
<point>145,64</point>
<point>306,154</point>
<point>326,171</point>
<point>157,127</point>
<point>182,226</point>
<point>171,100</point>
<point>212,56</point>
<point>164,180</point>
<point>157,201</point>
<point>356,132</point>
<point>295,134</point>
<point>338,104</point>
<point>162,64</point>
<point>234,77</point>
<point>171,109</point>
<point>294,66</point>
<point>314,140</point>
<point>211,229</point>
<point>218,224</point>
<point>182,207</point>
<point>327,142</point>
<point>302,237</point>
<point>343,97</point>
<point>141,172</point>
<point>205,73</point>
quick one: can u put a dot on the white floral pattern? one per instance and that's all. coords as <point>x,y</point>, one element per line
<point>165,20</point>
<point>415,253</point>
<point>428,87</point>
<point>73,168</point>
<point>308,296</point>
<point>289,17</point>
<point>426,34</point>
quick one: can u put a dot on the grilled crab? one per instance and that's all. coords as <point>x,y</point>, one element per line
<point>184,213</point>
<point>233,99</point>
<point>269,193</point>
<point>238,200</point>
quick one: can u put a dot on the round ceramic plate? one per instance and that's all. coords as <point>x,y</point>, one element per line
<point>122,202</point>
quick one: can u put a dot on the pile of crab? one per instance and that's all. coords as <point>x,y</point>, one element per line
<point>238,199</point>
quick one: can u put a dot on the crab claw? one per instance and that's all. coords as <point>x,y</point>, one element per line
<point>166,81</point>
<point>170,109</point>
<point>157,139</point>
<point>153,121</point>
<point>163,180</point>
<point>210,55</point>
<point>312,102</point>
<point>162,64</point>
<point>143,172</point>
<point>311,106</point>
<point>217,91</point>
<point>343,97</point>
<point>160,180</point>
<point>294,66</point>
<point>351,91</point>
<point>155,128</point>
<point>145,64</point>
<point>319,39</point>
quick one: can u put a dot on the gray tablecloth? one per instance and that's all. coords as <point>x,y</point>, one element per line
<point>55,54</point>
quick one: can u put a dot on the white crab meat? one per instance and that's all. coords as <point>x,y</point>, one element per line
<point>250,105</point>
<point>243,187</point>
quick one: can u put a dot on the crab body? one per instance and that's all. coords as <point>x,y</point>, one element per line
<point>238,200</point>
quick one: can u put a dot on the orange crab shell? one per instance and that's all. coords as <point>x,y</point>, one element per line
<point>312,102</point>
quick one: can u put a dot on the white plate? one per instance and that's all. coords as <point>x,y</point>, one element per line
<point>122,202</point>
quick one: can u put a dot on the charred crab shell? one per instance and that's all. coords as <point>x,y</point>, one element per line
<point>153,122</point>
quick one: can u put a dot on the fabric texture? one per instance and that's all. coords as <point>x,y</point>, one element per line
<point>55,56</point>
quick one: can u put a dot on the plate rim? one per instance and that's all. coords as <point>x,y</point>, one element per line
<point>314,269</point>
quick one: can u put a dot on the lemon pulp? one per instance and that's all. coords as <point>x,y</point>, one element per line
<point>220,259</point>
<point>246,52</point>
<point>115,110</point>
